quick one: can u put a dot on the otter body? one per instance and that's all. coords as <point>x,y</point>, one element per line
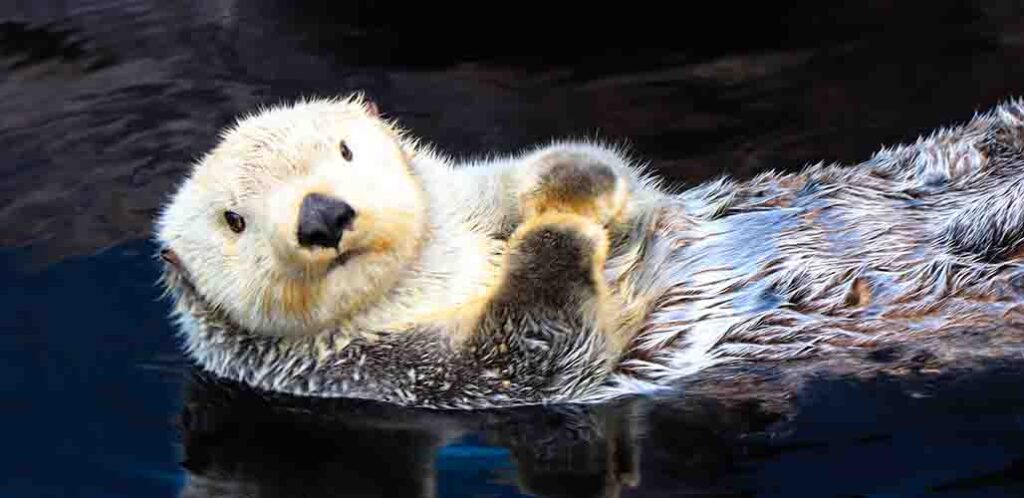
<point>567,274</point>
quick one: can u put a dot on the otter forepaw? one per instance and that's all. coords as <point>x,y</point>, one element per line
<point>559,248</point>
<point>573,182</point>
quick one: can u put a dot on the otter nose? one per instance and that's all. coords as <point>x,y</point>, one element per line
<point>322,219</point>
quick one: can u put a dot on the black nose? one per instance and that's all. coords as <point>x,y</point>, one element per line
<point>322,219</point>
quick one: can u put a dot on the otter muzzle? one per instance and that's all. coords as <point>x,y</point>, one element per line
<point>322,219</point>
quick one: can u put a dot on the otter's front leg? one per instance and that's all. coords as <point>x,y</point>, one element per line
<point>547,331</point>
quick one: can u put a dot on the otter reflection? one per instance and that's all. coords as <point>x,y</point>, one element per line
<point>240,442</point>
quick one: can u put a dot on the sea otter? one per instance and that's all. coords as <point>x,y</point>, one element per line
<point>321,250</point>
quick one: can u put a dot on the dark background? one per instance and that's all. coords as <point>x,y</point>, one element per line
<point>105,103</point>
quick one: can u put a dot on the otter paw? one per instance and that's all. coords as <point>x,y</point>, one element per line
<point>559,248</point>
<point>573,182</point>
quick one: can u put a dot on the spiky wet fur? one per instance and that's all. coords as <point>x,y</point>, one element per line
<point>916,249</point>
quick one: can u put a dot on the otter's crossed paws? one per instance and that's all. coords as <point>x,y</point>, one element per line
<point>569,198</point>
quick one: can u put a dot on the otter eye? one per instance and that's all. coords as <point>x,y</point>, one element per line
<point>236,222</point>
<point>345,151</point>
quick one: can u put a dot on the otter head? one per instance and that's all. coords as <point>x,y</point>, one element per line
<point>299,218</point>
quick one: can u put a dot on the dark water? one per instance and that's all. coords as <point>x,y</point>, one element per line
<point>104,103</point>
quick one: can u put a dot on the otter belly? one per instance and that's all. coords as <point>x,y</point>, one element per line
<point>916,252</point>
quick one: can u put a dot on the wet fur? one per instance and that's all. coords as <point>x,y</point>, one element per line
<point>912,254</point>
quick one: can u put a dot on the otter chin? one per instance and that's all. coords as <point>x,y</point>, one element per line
<point>321,250</point>
<point>343,258</point>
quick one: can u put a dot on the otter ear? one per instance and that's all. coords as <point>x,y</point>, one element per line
<point>372,108</point>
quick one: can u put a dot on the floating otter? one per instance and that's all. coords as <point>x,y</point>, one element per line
<point>319,250</point>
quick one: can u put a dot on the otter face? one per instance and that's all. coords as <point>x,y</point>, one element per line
<point>299,218</point>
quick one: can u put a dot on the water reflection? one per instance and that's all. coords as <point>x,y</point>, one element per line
<point>899,437</point>
<point>241,443</point>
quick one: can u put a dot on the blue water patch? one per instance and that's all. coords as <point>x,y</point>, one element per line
<point>470,467</point>
<point>82,403</point>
